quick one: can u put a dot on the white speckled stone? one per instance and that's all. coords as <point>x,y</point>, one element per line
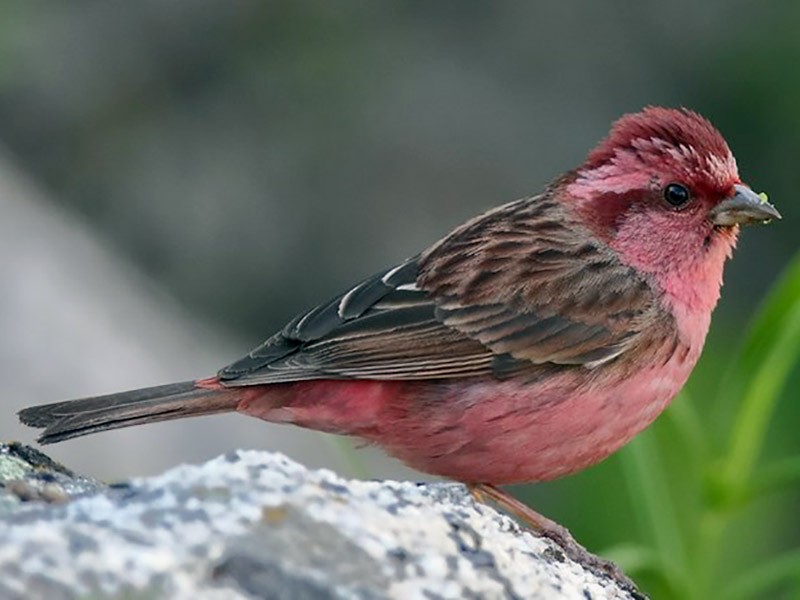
<point>254,525</point>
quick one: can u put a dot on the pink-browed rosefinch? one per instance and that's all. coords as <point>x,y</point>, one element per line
<point>529,343</point>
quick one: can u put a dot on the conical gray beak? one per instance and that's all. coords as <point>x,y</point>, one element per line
<point>743,208</point>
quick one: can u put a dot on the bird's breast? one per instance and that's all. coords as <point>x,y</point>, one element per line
<point>513,432</point>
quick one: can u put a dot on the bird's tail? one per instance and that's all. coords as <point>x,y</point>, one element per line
<point>74,418</point>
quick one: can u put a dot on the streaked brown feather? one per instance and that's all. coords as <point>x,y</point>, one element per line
<point>552,293</point>
<point>517,289</point>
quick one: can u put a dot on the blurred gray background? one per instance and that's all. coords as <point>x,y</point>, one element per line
<point>178,179</point>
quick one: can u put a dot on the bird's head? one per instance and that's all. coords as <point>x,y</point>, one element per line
<point>664,191</point>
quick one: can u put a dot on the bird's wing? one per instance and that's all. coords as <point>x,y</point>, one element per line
<point>534,283</point>
<point>515,288</point>
<point>383,328</point>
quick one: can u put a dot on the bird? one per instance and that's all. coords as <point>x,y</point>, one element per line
<point>529,343</point>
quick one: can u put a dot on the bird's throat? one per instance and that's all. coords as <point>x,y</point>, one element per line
<point>685,266</point>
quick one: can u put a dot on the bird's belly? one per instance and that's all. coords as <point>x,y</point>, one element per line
<point>508,432</point>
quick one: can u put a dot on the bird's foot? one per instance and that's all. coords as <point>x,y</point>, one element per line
<point>551,530</point>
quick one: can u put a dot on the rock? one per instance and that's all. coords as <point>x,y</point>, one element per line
<point>258,525</point>
<point>27,474</point>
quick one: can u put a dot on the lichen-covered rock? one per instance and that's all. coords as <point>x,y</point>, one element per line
<point>27,474</point>
<point>257,525</point>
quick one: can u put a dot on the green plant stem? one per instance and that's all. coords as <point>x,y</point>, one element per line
<point>712,524</point>
<point>650,493</point>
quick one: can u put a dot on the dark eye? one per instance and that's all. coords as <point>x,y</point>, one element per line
<point>676,194</point>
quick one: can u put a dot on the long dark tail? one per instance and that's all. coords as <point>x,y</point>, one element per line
<point>74,418</point>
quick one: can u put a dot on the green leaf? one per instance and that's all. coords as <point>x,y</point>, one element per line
<point>758,375</point>
<point>649,491</point>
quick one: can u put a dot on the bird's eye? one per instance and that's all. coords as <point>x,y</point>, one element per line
<point>676,194</point>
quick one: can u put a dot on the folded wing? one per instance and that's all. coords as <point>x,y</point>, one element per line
<point>519,288</point>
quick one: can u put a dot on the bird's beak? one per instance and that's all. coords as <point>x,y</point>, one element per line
<point>743,208</point>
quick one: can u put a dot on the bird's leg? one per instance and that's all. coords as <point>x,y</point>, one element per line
<point>551,530</point>
<point>539,523</point>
